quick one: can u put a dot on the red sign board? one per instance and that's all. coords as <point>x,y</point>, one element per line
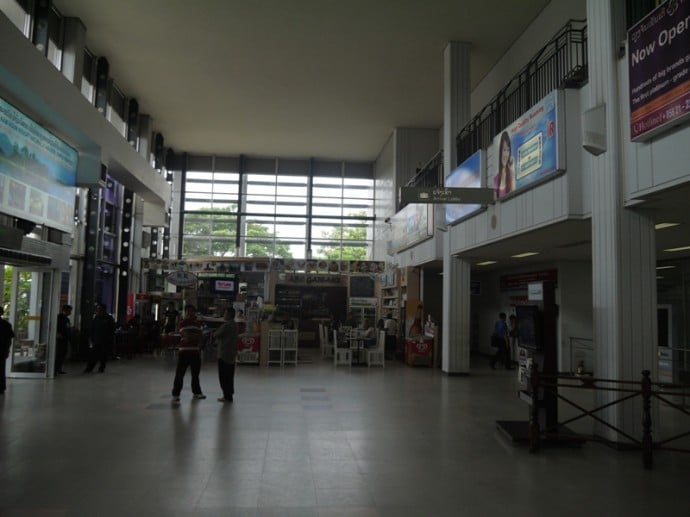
<point>520,280</point>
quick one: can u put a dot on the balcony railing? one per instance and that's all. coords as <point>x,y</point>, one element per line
<point>561,63</point>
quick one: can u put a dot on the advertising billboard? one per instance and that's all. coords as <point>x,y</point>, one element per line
<point>37,172</point>
<point>468,175</point>
<point>659,69</point>
<point>530,149</point>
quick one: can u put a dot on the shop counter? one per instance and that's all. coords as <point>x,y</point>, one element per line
<point>419,351</point>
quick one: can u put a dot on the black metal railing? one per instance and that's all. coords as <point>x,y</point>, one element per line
<point>561,63</point>
<point>431,175</point>
<point>540,384</point>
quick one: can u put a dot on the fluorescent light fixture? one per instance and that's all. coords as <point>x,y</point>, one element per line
<point>682,248</point>
<point>665,267</point>
<point>485,263</point>
<point>661,226</point>
<point>525,254</point>
<point>659,277</point>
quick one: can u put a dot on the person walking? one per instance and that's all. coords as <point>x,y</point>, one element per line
<point>226,339</point>
<point>64,335</point>
<point>6,337</point>
<point>499,340</point>
<point>189,354</point>
<point>102,339</point>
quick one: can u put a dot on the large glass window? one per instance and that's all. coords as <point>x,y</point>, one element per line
<point>210,216</point>
<point>274,214</point>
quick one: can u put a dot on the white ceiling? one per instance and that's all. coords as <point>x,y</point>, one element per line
<point>292,78</point>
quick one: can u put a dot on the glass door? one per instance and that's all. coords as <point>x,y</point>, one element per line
<point>30,314</point>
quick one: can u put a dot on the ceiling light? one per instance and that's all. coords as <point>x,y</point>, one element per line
<point>485,263</point>
<point>665,267</point>
<point>682,248</point>
<point>659,277</point>
<point>525,254</point>
<point>661,226</point>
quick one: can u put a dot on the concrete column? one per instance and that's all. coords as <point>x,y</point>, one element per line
<point>73,50</point>
<point>145,136</point>
<point>623,240</point>
<point>455,347</point>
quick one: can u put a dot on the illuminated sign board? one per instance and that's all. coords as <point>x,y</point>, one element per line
<point>37,172</point>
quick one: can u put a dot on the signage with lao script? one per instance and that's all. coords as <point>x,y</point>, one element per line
<point>659,69</point>
<point>434,195</point>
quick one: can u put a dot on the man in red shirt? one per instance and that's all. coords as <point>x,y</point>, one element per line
<point>189,354</point>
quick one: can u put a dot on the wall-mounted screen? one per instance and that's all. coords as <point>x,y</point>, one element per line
<point>362,287</point>
<point>37,172</point>
<point>529,324</point>
<point>224,286</point>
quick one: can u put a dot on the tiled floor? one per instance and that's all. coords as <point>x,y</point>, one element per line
<point>304,441</point>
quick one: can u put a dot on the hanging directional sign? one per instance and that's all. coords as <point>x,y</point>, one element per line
<point>446,195</point>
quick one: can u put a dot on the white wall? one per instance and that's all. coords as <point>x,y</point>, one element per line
<point>384,197</point>
<point>575,311</point>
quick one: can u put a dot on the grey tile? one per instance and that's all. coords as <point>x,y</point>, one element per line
<point>400,442</point>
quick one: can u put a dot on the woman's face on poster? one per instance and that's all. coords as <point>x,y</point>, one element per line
<point>505,153</point>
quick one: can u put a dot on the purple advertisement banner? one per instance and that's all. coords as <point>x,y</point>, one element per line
<point>659,69</point>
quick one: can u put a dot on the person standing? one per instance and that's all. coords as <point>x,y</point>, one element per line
<point>6,337</point>
<point>499,340</point>
<point>391,335</point>
<point>102,339</point>
<point>189,354</point>
<point>512,337</point>
<point>64,335</point>
<point>226,338</point>
<point>170,321</point>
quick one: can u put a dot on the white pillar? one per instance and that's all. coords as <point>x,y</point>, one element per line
<point>623,241</point>
<point>455,347</point>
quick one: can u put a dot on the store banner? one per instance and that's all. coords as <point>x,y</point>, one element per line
<point>530,150</point>
<point>37,172</point>
<point>468,174</point>
<point>659,69</point>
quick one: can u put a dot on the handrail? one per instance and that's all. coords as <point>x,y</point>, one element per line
<point>430,175</point>
<point>645,389</point>
<point>561,63</point>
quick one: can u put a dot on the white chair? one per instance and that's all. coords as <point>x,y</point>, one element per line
<point>290,342</point>
<point>377,356</point>
<point>275,347</point>
<point>342,355</point>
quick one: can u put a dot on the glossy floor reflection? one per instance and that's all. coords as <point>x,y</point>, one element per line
<point>303,441</point>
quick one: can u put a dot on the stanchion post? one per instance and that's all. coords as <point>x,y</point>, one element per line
<point>646,420</point>
<point>534,432</point>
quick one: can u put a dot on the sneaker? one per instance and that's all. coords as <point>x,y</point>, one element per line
<point>175,399</point>
<point>199,396</point>
<point>223,399</point>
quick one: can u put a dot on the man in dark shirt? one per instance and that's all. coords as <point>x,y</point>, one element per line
<point>102,339</point>
<point>64,333</point>
<point>226,338</point>
<point>6,336</point>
